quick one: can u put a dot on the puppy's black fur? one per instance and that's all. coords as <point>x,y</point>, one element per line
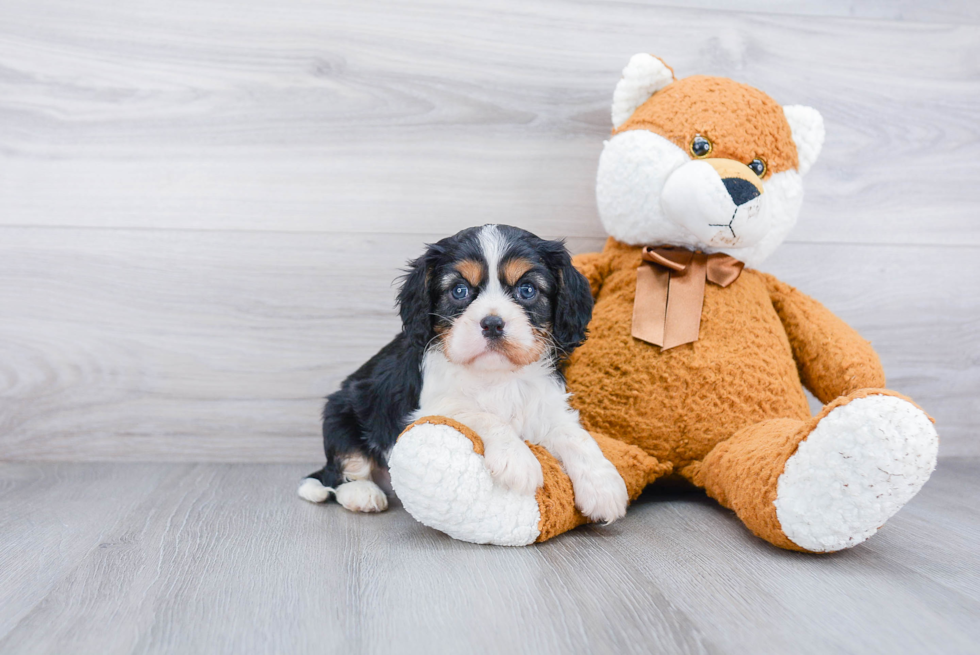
<point>372,406</point>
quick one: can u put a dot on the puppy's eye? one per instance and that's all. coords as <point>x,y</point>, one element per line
<point>758,167</point>
<point>460,291</point>
<point>701,147</point>
<point>527,291</point>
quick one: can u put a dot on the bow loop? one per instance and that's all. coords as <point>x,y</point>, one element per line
<point>670,292</point>
<point>723,269</point>
<point>676,259</point>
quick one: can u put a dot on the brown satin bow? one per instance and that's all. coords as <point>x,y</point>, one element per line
<point>670,292</point>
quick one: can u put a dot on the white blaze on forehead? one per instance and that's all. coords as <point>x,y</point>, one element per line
<point>492,244</point>
<point>494,299</point>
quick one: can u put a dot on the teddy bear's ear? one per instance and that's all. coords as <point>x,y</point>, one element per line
<point>642,77</point>
<point>807,126</point>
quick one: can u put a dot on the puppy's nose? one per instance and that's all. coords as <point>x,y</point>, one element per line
<point>740,190</point>
<point>493,326</point>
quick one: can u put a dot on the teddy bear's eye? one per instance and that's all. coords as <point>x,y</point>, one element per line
<point>758,167</point>
<point>700,146</point>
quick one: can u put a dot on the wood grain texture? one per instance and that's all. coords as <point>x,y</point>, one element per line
<point>55,517</point>
<point>219,346</point>
<point>933,11</point>
<point>202,210</point>
<point>223,558</point>
<point>431,116</point>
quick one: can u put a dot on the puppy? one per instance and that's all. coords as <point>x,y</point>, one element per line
<point>489,316</point>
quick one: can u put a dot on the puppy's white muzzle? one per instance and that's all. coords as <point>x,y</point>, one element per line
<point>474,341</point>
<point>719,211</point>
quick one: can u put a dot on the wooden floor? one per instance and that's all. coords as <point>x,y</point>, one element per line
<point>222,558</point>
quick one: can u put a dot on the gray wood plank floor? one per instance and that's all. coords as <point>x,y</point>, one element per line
<point>223,558</point>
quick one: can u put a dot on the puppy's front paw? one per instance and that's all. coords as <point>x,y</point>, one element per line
<point>514,466</point>
<point>600,492</point>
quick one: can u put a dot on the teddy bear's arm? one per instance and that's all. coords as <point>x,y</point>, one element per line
<point>594,266</point>
<point>832,358</point>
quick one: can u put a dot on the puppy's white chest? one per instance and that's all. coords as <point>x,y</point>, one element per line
<point>517,397</point>
<point>507,400</point>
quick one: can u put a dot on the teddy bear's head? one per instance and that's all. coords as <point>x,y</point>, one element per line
<point>703,162</point>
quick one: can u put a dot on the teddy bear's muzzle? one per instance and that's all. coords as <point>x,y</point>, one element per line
<point>716,200</point>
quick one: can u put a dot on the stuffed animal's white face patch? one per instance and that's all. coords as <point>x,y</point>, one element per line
<point>662,181</point>
<point>650,192</point>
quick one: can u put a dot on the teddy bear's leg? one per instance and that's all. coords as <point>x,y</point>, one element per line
<point>825,484</point>
<point>438,473</point>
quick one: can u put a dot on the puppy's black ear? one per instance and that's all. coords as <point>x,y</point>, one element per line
<point>415,298</point>
<point>573,303</point>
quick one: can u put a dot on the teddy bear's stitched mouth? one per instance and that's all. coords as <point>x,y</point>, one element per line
<point>728,224</point>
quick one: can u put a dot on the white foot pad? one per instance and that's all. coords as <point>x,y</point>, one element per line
<point>858,467</point>
<point>362,496</point>
<point>447,486</point>
<point>600,492</point>
<point>312,490</point>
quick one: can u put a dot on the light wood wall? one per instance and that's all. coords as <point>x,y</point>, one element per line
<point>203,204</point>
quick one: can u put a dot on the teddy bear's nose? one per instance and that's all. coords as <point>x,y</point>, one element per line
<point>740,190</point>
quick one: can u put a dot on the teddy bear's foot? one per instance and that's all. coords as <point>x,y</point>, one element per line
<point>438,471</point>
<point>825,484</point>
<point>861,463</point>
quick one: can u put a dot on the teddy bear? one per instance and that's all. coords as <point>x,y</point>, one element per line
<point>696,361</point>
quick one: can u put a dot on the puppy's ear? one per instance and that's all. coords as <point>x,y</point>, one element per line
<point>415,298</point>
<point>573,303</point>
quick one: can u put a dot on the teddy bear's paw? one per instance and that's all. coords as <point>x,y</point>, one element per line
<point>514,466</point>
<point>600,492</point>
<point>860,464</point>
<point>444,484</point>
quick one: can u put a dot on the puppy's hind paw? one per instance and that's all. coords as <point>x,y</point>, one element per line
<point>312,490</point>
<point>362,496</point>
<point>600,493</point>
<point>514,466</point>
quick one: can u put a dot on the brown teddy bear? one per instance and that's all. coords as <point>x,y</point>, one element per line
<point>696,363</point>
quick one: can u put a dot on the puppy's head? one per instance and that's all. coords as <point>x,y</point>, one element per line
<point>496,298</point>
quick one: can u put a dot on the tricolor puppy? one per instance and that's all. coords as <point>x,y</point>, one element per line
<point>489,316</point>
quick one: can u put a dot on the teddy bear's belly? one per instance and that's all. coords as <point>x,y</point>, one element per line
<point>679,403</point>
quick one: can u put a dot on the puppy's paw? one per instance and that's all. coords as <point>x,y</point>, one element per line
<point>312,490</point>
<point>514,466</point>
<point>600,492</point>
<point>362,496</point>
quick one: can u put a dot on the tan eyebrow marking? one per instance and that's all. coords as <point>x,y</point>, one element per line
<point>515,268</point>
<point>471,270</point>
